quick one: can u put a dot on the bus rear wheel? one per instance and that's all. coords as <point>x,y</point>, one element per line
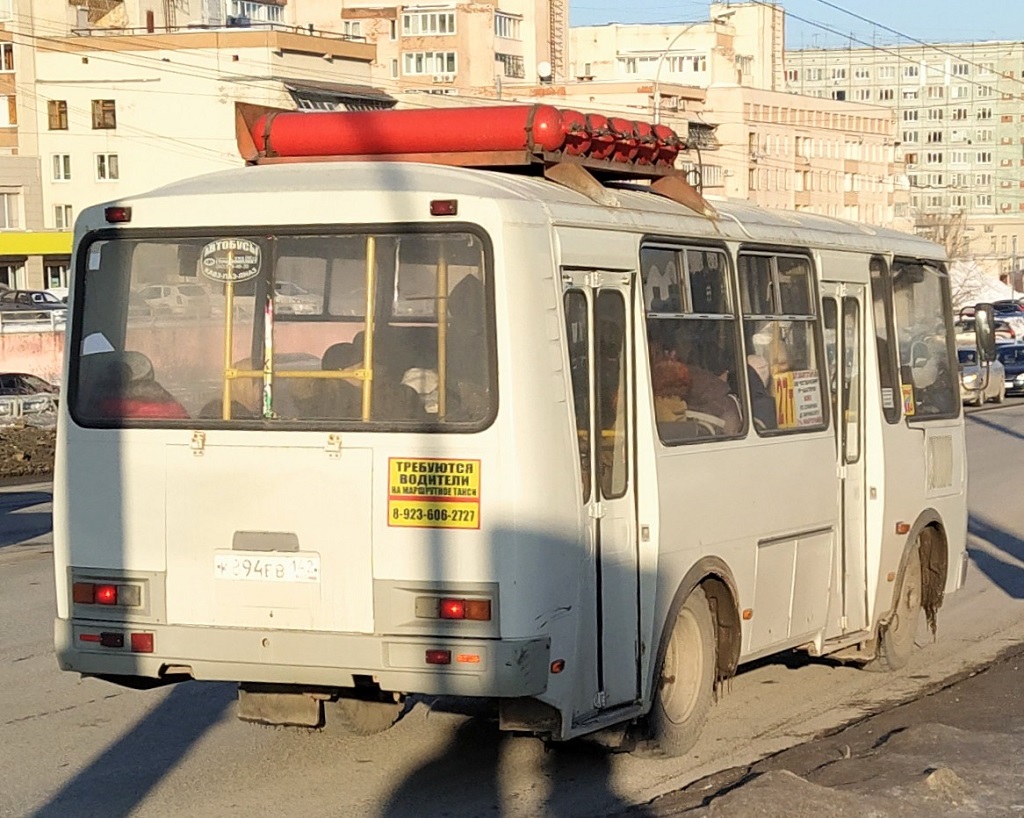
<point>685,686</point>
<point>896,639</point>
<point>363,718</point>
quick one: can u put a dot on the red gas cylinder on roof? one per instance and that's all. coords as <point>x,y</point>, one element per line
<point>627,143</point>
<point>602,139</point>
<point>452,130</point>
<point>669,145</point>
<point>578,138</point>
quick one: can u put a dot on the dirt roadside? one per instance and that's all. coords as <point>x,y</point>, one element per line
<point>954,752</point>
<point>26,451</point>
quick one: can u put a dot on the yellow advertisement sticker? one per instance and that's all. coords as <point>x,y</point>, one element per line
<point>433,493</point>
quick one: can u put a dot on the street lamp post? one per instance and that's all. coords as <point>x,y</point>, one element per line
<point>657,70</point>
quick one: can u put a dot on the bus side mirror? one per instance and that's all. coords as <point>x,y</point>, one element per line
<point>984,332</point>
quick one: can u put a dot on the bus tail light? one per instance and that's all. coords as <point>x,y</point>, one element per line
<point>476,610</point>
<point>439,657</point>
<point>106,595</point>
<point>142,643</point>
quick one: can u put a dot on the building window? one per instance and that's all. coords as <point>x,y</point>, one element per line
<point>961,69</point>
<point>862,94</point>
<point>984,113</point>
<point>909,93</point>
<point>910,115</point>
<point>983,179</point>
<point>433,23</point>
<point>104,114</point>
<point>55,272</point>
<point>62,217</point>
<point>508,26</point>
<point>394,68</point>
<point>934,158</point>
<point>58,114</point>
<point>984,157</point>
<point>862,73</point>
<point>393,32</point>
<point>983,200</point>
<point>984,91</point>
<point>8,112</point>
<point>352,28</point>
<point>10,208</point>
<point>910,137</point>
<point>512,65</point>
<point>887,72</point>
<point>839,95</point>
<point>792,75</point>
<point>6,58</point>
<point>910,71</point>
<point>986,69</point>
<point>886,94</point>
<point>934,137</point>
<point>106,167</point>
<point>690,63</point>
<point>12,275</point>
<point>959,157</point>
<point>61,167</point>
<point>935,113</point>
<point>428,62</point>
<point>959,113</point>
<point>259,12</point>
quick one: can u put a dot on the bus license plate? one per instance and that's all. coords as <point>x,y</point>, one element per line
<point>267,567</point>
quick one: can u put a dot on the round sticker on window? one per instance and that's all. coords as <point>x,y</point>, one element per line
<point>230,260</point>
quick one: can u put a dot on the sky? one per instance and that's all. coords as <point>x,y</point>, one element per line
<point>928,20</point>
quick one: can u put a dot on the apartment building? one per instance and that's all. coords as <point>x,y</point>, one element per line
<point>780,150</point>
<point>959,109</point>
<point>123,98</point>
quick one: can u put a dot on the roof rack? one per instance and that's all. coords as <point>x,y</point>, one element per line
<point>579,151</point>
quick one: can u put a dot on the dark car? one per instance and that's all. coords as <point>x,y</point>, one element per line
<point>1012,357</point>
<point>1008,307</point>
<point>23,394</point>
<point>31,300</point>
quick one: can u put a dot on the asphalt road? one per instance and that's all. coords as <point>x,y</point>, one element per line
<point>76,747</point>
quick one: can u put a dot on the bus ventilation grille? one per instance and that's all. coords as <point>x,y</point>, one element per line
<point>940,462</point>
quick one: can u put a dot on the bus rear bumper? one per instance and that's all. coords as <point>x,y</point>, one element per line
<point>501,668</point>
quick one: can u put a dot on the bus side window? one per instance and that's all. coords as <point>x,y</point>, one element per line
<point>780,327</point>
<point>693,345</point>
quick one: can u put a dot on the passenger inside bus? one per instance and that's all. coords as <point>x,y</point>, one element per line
<point>762,404</point>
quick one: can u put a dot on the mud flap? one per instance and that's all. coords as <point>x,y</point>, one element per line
<point>281,709</point>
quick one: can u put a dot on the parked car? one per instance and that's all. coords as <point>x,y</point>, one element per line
<point>31,300</point>
<point>59,292</point>
<point>177,299</point>
<point>1005,332</point>
<point>977,386</point>
<point>1011,356</point>
<point>291,299</point>
<point>1008,306</point>
<point>24,394</point>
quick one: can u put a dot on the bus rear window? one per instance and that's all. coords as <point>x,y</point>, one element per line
<point>381,331</point>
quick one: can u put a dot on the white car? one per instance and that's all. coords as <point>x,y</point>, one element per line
<point>177,299</point>
<point>977,386</point>
<point>291,299</point>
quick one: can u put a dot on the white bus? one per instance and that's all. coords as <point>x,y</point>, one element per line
<point>581,457</point>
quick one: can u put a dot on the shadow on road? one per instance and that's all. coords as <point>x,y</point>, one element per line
<point>18,527</point>
<point>118,780</point>
<point>1006,573</point>
<point>974,417</point>
<point>478,752</point>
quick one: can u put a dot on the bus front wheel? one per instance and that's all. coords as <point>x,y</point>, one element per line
<point>896,639</point>
<point>685,686</point>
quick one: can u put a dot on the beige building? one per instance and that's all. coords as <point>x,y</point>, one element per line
<point>960,115</point>
<point>118,104</point>
<point>780,150</point>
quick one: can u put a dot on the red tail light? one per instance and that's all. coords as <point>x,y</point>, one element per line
<point>439,657</point>
<point>106,595</point>
<point>83,593</point>
<point>453,609</point>
<point>142,643</point>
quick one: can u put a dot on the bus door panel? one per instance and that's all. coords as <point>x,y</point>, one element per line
<point>604,408</point>
<point>842,307</point>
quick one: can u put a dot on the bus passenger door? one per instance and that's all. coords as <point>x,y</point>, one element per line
<point>842,308</point>
<point>600,351</point>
